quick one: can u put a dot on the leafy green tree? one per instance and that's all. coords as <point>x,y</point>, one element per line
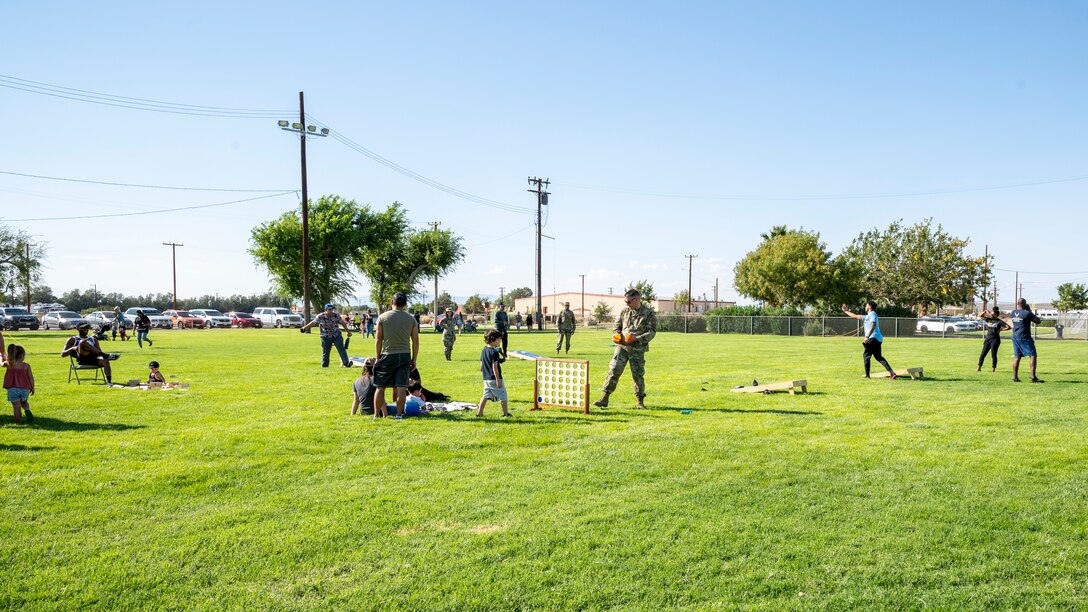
<point>340,230</point>
<point>18,268</point>
<point>42,294</point>
<point>602,312</point>
<point>793,268</point>
<point>1071,297</point>
<point>474,304</point>
<point>404,258</point>
<point>917,266</point>
<point>445,300</point>
<point>520,292</point>
<point>645,288</point>
<point>680,301</point>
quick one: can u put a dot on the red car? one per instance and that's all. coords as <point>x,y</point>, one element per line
<point>243,319</point>
<point>182,319</point>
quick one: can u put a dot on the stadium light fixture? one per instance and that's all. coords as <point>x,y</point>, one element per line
<point>284,123</point>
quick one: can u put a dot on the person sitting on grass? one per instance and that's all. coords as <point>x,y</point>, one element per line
<point>155,376</point>
<point>362,389</point>
<point>416,404</point>
<point>87,352</point>
<point>491,368</point>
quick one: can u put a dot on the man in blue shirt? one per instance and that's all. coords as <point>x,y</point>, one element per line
<point>1022,343</point>
<point>873,338</point>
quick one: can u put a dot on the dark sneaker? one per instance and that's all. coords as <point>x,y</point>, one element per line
<point>1037,380</point>
<point>1016,380</point>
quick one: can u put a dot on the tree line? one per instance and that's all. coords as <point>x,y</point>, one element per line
<point>911,267</point>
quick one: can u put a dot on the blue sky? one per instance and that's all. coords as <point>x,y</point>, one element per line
<point>666,129</point>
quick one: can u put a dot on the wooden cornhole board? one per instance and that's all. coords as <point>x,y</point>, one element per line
<point>788,385</point>
<point>914,373</point>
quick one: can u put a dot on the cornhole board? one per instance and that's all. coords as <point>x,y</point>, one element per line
<point>526,355</point>
<point>914,373</point>
<point>787,385</point>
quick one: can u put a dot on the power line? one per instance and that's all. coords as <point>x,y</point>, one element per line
<point>82,95</point>
<point>1026,272</point>
<point>112,184</point>
<point>152,212</point>
<point>358,148</point>
<point>776,198</point>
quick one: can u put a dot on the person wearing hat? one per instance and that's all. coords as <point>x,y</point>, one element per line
<point>565,325</point>
<point>449,332</point>
<point>155,376</point>
<point>634,328</point>
<point>87,352</point>
<point>329,323</point>
<point>502,324</point>
<point>397,346</point>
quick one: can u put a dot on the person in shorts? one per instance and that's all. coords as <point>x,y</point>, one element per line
<point>491,367</point>
<point>397,346</point>
<point>1022,343</point>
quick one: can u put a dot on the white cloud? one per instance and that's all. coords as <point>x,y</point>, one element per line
<point>497,270</point>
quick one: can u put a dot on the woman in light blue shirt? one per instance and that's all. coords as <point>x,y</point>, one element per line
<point>873,338</point>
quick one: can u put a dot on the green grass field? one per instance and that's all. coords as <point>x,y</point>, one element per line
<point>255,489</point>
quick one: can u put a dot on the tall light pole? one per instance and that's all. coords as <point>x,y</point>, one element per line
<point>303,131</point>
<point>174,256</point>
<point>434,225</point>
<point>541,201</point>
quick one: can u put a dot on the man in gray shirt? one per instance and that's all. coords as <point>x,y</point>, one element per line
<point>396,345</point>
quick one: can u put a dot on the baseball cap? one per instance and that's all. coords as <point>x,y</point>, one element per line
<point>153,364</point>
<point>328,306</point>
<point>83,325</point>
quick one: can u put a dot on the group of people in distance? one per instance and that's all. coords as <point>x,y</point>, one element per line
<point>1023,345</point>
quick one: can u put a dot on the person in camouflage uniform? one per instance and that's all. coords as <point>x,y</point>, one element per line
<point>634,329</point>
<point>449,333</point>
<point>565,324</point>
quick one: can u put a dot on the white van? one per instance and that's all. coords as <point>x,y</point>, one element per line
<point>277,317</point>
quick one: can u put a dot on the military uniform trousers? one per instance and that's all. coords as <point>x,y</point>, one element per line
<point>638,370</point>
<point>563,335</point>
<point>448,338</point>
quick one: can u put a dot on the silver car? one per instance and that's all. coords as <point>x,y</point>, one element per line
<point>63,319</point>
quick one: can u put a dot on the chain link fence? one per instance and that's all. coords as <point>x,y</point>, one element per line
<point>1066,327</point>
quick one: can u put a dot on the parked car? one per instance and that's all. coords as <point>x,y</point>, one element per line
<point>13,317</point>
<point>99,317</point>
<point>277,317</point>
<point>243,319</point>
<point>157,320</point>
<point>950,325</point>
<point>183,319</point>
<point>62,319</point>
<point>211,317</point>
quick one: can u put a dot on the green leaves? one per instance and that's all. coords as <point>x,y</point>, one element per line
<point>345,239</point>
<point>917,266</point>
<point>792,268</point>
<point>1071,297</point>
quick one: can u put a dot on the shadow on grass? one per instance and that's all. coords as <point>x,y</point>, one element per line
<point>566,417</point>
<point>21,447</point>
<point>739,410</point>
<point>52,424</point>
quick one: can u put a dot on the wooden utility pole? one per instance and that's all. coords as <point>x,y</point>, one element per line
<point>541,201</point>
<point>584,317</point>
<point>174,258</point>
<point>690,259</point>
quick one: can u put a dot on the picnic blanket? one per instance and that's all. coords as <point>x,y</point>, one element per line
<point>525,355</point>
<point>452,406</point>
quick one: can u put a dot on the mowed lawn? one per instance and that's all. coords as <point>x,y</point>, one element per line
<point>255,489</point>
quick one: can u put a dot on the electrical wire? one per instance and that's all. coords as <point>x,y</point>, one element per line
<point>785,198</point>
<point>153,212</point>
<point>72,180</point>
<point>419,177</point>
<point>1026,272</point>
<point>82,95</point>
